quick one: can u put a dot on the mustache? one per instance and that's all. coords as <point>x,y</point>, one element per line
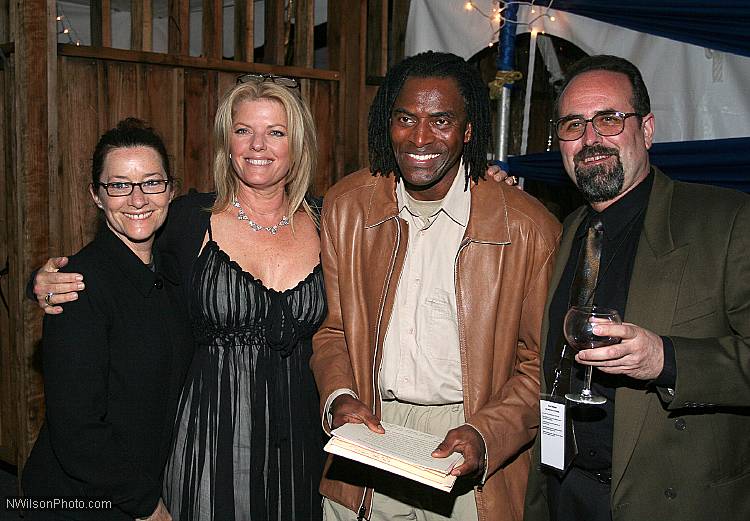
<point>595,150</point>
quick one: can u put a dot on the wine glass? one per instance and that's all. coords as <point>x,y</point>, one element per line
<point>578,330</point>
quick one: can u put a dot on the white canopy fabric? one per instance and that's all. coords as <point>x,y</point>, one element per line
<point>696,93</point>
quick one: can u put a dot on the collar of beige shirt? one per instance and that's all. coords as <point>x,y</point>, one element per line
<point>456,203</point>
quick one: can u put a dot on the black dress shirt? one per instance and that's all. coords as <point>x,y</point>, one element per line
<point>623,223</point>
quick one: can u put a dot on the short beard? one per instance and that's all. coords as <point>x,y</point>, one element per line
<point>598,183</point>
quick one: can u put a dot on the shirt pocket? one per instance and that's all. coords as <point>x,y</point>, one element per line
<point>439,334</point>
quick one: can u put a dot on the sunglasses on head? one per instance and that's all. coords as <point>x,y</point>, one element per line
<point>289,83</point>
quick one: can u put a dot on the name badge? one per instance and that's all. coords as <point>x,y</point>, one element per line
<point>552,430</point>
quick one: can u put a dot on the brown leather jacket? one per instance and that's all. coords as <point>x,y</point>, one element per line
<point>502,271</point>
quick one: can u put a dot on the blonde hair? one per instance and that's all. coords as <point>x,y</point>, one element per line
<point>303,145</point>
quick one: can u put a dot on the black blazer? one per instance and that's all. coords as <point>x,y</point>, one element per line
<point>114,364</point>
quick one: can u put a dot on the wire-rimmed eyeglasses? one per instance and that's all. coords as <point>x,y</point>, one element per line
<point>125,188</point>
<point>284,81</point>
<point>607,123</point>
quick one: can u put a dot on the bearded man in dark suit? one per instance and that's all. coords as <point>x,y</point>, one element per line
<point>671,442</point>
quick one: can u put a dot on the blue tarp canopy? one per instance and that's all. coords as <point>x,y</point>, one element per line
<point>723,26</point>
<point>707,23</point>
<point>721,162</point>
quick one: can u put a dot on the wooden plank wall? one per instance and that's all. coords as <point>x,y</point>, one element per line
<point>8,417</point>
<point>180,104</point>
<point>30,188</point>
<point>7,398</point>
<point>60,98</point>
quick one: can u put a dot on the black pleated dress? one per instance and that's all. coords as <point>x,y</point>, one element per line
<point>248,443</point>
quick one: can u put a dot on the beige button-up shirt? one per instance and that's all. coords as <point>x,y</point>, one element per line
<point>421,359</point>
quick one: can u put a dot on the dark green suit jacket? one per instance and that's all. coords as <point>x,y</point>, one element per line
<point>682,454</point>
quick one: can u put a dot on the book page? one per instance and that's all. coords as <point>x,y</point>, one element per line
<point>408,445</point>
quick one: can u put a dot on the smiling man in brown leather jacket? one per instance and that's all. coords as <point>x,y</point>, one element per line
<point>436,283</point>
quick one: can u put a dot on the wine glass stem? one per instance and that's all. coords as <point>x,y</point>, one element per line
<point>587,382</point>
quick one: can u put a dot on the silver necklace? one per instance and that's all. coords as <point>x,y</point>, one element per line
<point>242,216</point>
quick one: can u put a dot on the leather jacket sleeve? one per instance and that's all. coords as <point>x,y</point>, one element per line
<point>330,361</point>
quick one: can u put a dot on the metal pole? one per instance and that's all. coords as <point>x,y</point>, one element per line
<point>506,75</point>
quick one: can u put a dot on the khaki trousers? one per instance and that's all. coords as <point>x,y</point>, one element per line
<point>399,498</point>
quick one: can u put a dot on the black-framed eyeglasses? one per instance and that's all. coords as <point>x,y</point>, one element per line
<point>607,123</point>
<point>125,188</point>
<point>289,83</point>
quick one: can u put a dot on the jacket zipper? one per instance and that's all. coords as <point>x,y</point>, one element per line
<point>463,245</point>
<point>376,370</point>
<point>458,317</point>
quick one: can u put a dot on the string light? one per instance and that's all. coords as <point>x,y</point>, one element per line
<point>496,17</point>
<point>66,28</point>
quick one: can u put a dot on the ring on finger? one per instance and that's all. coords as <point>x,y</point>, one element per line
<point>47,297</point>
<point>515,179</point>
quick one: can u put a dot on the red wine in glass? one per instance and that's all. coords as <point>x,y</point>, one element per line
<point>578,329</point>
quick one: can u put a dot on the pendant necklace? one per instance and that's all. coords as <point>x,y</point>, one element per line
<point>242,216</point>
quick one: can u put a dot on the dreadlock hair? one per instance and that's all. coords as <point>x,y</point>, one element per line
<point>431,65</point>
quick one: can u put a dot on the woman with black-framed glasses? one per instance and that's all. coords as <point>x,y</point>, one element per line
<point>115,361</point>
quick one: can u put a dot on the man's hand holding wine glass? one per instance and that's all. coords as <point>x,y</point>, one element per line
<point>639,355</point>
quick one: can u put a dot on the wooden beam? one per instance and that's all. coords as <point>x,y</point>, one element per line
<point>274,46</point>
<point>5,18</point>
<point>213,15</point>
<point>244,25</point>
<point>157,58</point>
<point>347,23</point>
<point>33,197</point>
<point>141,25</point>
<point>178,27</point>
<point>101,23</point>
<point>8,352</point>
<point>304,29</point>
<point>399,17</point>
<point>7,398</point>
<point>377,37</point>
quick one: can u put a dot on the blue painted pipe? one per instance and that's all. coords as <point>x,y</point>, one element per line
<point>507,45</point>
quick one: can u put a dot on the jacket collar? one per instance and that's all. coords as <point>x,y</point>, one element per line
<point>382,203</point>
<point>488,218</point>
<point>132,268</point>
<point>656,227</point>
<point>455,205</point>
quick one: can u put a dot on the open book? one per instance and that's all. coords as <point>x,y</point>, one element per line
<point>400,450</point>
